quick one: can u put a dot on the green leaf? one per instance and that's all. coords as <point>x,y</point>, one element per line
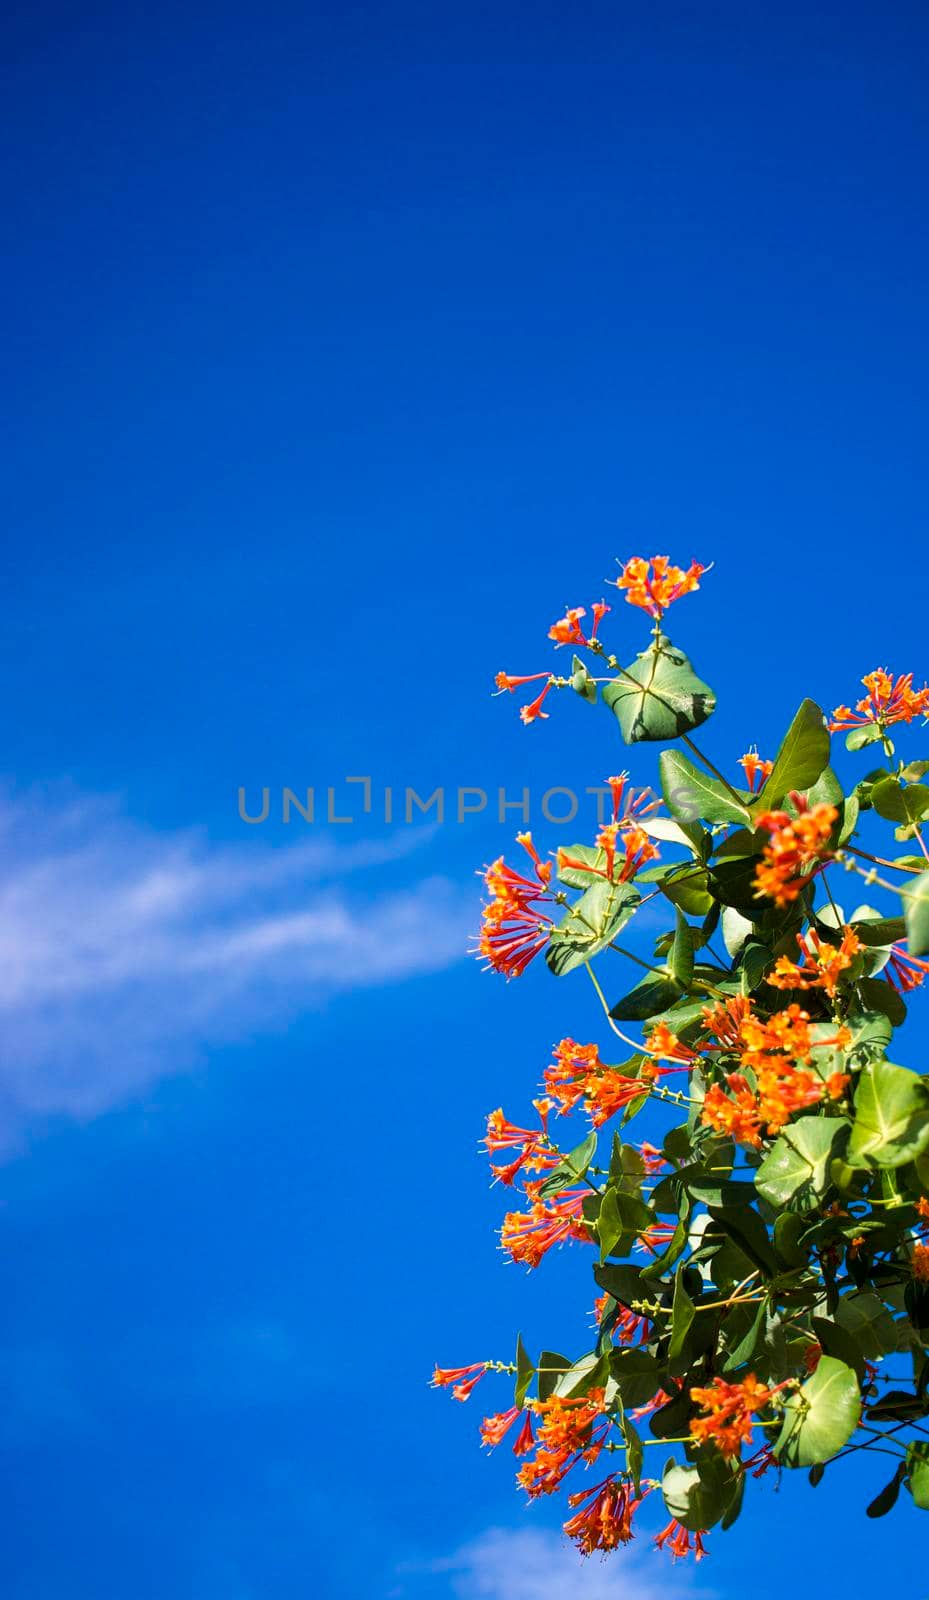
<point>736,930</point>
<point>916,905</point>
<point>837,1341</point>
<point>591,869</point>
<point>636,1374</point>
<point>877,995</point>
<point>578,1160</point>
<point>700,1495</point>
<point>803,755</point>
<point>749,1232</point>
<point>822,1417</point>
<point>917,1462</point>
<point>635,1453</point>
<point>551,1366</point>
<point>525,1372</point>
<point>653,994</point>
<point>870,1323</point>
<point>745,1349</point>
<point>891,1117</point>
<point>897,804</point>
<point>887,1499</point>
<point>859,737</point>
<point>591,923</point>
<point>588,1373</point>
<point>880,931</point>
<point>581,681</point>
<point>621,1216</point>
<point>681,957</point>
<point>659,696</point>
<point>623,1282</point>
<point>798,1161</point>
<point>682,1315</point>
<point>690,794</point>
<point>686,888</point>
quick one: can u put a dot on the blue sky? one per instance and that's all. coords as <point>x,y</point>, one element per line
<point>345,346</point>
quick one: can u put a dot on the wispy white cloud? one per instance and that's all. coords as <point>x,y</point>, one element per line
<point>125,951</point>
<point>538,1564</point>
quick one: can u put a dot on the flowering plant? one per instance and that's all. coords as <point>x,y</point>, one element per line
<point>762,1257</point>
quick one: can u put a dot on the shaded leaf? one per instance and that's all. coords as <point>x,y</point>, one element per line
<point>659,696</point>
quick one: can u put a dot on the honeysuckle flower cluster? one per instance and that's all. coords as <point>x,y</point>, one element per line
<point>762,1253</point>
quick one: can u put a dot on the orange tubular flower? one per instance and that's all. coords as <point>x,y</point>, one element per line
<point>513,930</point>
<point>724,1022</point>
<point>756,770</point>
<point>463,1378</point>
<point>568,630</point>
<point>794,844</point>
<point>629,1328</point>
<point>637,846</point>
<point>637,803</point>
<point>495,1428</point>
<point>921,1263</point>
<point>728,1406</point>
<point>565,1436</point>
<point>530,1142</point>
<point>677,1538</point>
<point>607,1521</point>
<point>528,713</point>
<point>888,700</point>
<point>736,1113</point>
<point>825,968</point>
<point>577,1073</point>
<point>664,1045</point>
<point>907,972</point>
<point>654,585</point>
<point>772,1049</point>
<point>598,612</point>
<point>526,1236</point>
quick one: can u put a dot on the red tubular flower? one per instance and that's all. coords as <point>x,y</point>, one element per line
<point>494,1429</point>
<point>654,585</point>
<point>657,1401</point>
<point>888,700</point>
<point>677,1538</point>
<point>598,612</point>
<point>513,930</point>
<point>756,770</point>
<point>530,1142</point>
<point>654,1237</point>
<point>578,1073</point>
<point>637,803</point>
<point>528,713</point>
<point>533,711</point>
<point>907,972</point>
<point>759,1463</point>
<point>607,1520</point>
<point>652,1159</point>
<point>463,1378</point>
